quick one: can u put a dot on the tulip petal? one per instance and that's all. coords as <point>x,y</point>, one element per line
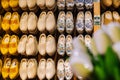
<point>113,31</point>
<point>102,41</point>
<point>80,60</point>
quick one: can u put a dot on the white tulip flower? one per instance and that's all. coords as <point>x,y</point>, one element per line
<point>93,48</point>
<point>80,61</point>
<point>113,31</point>
<point>102,41</point>
<point>78,44</point>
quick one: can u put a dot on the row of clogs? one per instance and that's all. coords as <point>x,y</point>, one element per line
<point>64,70</point>
<point>71,3</point>
<point>84,22</point>
<point>29,46</point>
<point>17,4</point>
<point>108,17</point>
<point>10,21</point>
<point>10,68</point>
<point>47,22</point>
<point>46,68</point>
<point>47,44</point>
<point>109,3</point>
<point>65,45</point>
<point>9,44</point>
<point>28,22</point>
<point>8,4</point>
<point>30,68</point>
<point>33,5</point>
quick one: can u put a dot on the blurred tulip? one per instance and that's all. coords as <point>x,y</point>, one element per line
<point>80,61</point>
<point>93,48</point>
<point>79,44</point>
<point>102,41</point>
<point>113,31</point>
<point>116,48</point>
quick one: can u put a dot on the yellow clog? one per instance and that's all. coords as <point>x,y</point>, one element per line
<point>13,45</point>
<point>14,26</point>
<point>0,42</point>
<point>116,16</point>
<point>13,3</point>
<point>0,66</point>
<point>5,44</point>
<point>6,68</point>
<point>108,18</point>
<point>0,21</point>
<point>14,69</point>
<point>107,3</point>
<point>5,4</point>
<point>6,21</point>
<point>116,3</point>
